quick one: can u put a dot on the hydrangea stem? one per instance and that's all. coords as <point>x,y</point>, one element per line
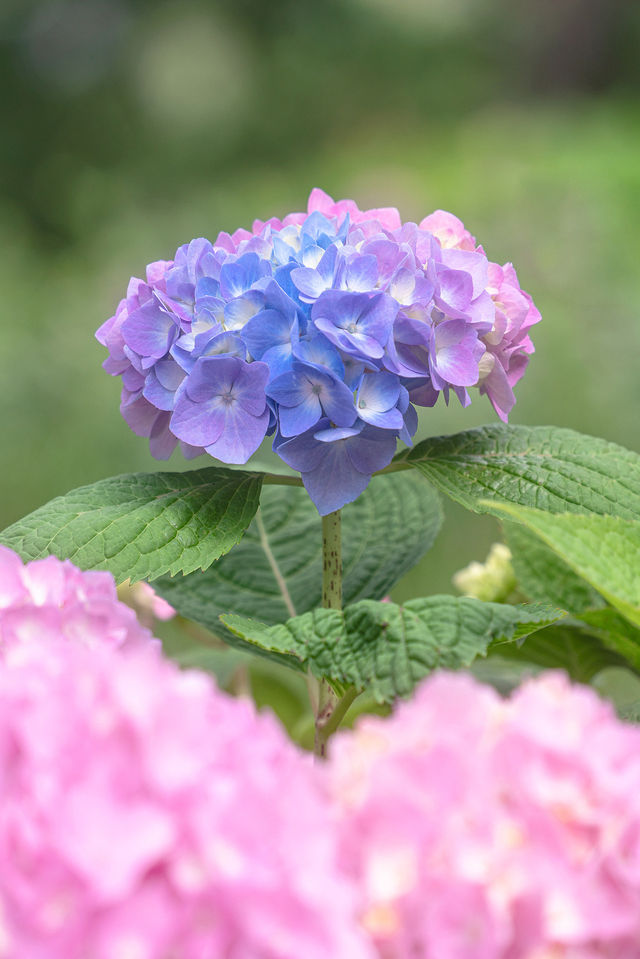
<point>331,599</point>
<point>332,561</point>
<point>332,710</point>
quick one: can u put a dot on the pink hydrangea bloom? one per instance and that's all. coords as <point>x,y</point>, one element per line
<point>479,828</point>
<point>449,230</point>
<point>145,815</point>
<point>48,599</point>
<point>158,607</point>
<point>387,217</point>
<point>145,602</point>
<point>508,344</point>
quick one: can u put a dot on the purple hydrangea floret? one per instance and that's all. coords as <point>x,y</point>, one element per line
<point>326,328</point>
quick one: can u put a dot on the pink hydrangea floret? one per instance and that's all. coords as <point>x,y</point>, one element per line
<point>479,828</point>
<point>146,815</point>
<point>508,344</point>
<point>146,603</point>
<point>49,599</point>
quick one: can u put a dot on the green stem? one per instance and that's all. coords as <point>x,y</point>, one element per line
<point>327,700</point>
<point>330,715</point>
<point>276,479</point>
<point>332,561</point>
<point>395,467</point>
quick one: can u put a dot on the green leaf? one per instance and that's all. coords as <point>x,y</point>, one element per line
<point>503,674</point>
<point>276,571</point>
<point>221,662</point>
<point>386,648</point>
<point>556,470</point>
<point>630,712</point>
<point>603,550</point>
<point>615,632</point>
<point>623,689</point>
<point>543,576</point>
<point>142,525</point>
<point>578,652</point>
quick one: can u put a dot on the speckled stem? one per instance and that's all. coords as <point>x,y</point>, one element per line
<point>332,561</point>
<point>331,599</point>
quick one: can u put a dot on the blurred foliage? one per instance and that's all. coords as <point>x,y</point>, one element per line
<point>178,93</point>
<point>130,127</point>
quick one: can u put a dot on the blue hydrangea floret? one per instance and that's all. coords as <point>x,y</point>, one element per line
<point>325,330</point>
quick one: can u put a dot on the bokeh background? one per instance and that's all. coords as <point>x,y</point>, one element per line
<point>130,126</point>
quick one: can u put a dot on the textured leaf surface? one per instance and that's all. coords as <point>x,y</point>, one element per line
<point>603,550</point>
<point>386,648</point>
<point>385,532</point>
<point>544,577</point>
<point>142,525</point>
<point>556,470</point>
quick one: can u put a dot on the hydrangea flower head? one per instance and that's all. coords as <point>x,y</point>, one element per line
<point>144,817</point>
<point>335,314</point>
<point>49,599</point>
<point>479,828</point>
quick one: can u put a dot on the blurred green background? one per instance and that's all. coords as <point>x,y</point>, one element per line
<point>131,126</point>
